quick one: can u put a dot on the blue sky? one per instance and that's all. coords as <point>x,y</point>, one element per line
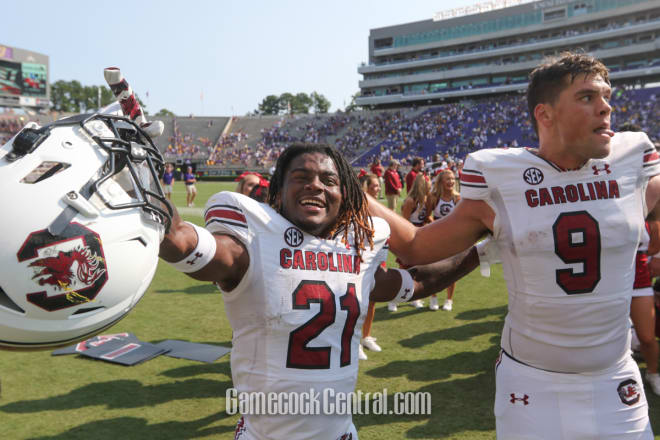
<point>234,52</point>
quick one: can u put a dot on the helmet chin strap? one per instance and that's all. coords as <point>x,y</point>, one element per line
<point>61,221</point>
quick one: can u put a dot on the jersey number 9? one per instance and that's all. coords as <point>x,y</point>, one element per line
<point>577,240</point>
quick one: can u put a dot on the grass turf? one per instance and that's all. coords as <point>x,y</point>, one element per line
<point>448,354</point>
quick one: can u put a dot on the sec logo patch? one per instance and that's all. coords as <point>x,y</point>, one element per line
<point>533,176</point>
<point>293,236</point>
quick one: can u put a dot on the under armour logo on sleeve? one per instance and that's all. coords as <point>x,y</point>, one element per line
<point>524,399</point>
<point>197,255</point>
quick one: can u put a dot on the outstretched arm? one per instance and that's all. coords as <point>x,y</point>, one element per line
<point>435,277</point>
<point>227,265</point>
<point>468,221</point>
<point>428,279</point>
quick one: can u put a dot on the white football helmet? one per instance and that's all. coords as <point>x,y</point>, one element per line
<point>84,216</point>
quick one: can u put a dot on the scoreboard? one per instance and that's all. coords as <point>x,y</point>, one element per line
<point>23,78</point>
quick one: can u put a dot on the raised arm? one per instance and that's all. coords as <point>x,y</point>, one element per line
<point>468,221</point>
<point>185,245</point>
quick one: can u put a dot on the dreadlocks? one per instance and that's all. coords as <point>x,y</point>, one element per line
<point>353,211</point>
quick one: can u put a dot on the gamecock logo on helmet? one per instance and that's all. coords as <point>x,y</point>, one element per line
<point>71,266</point>
<point>57,270</point>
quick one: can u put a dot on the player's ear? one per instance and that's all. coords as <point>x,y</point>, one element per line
<point>544,114</point>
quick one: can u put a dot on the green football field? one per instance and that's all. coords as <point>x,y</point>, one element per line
<point>448,354</point>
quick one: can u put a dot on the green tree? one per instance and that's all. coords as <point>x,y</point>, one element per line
<point>73,97</point>
<point>67,96</point>
<point>320,103</point>
<point>91,97</point>
<point>77,93</point>
<point>352,105</point>
<point>164,112</point>
<point>301,103</point>
<point>269,106</point>
<point>286,103</point>
<point>60,97</point>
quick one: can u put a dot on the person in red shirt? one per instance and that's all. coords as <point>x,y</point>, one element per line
<point>417,167</point>
<point>392,184</point>
<point>377,168</point>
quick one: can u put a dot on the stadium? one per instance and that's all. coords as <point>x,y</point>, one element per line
<point>437,89</point>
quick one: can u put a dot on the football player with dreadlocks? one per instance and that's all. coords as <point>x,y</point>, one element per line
<point>297,275</point>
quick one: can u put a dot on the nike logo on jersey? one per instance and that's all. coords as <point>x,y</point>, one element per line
<point>572,193</point>
<point>323,261</point>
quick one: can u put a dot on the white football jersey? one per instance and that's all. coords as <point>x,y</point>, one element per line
<point>297,313</point>
<point>568,241</point>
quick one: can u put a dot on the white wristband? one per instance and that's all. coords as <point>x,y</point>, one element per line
<point>201,256</point>
<point>487,256</point>
<point>407,287</point>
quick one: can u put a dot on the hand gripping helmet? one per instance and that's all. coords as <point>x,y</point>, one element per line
<point>83,218</point>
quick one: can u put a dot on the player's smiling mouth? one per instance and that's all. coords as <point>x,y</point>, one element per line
<point>312,203</point>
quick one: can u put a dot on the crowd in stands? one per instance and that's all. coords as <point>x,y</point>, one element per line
<point>312,129</point>
<point>318,128</point>
<point>186,145</point>
<point>504,121</point>
<point>640,107</point>
<point>225,152</point>
<point>455,128</point>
